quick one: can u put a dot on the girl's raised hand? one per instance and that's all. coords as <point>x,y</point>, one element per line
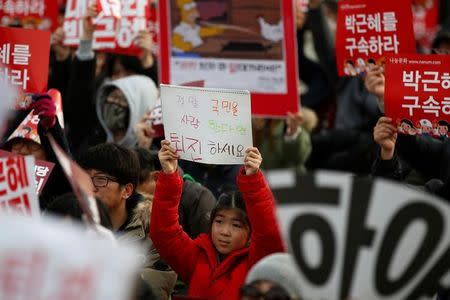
<point>252,160</point>
<point>168,157</point>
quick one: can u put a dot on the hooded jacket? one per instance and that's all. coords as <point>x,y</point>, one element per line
<point>196,261</point>
<point>140,93</point>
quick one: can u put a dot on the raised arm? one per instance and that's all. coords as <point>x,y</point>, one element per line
<point>260,204</point>
<point>172,243</point>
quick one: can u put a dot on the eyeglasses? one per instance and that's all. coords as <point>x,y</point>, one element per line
<point>276,292</point>
<point>102,181</point>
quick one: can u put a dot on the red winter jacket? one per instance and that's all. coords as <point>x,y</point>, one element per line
<point>196,261</point>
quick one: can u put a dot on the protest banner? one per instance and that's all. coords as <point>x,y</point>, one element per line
<point>17,191</point>
<point>55,259</point>
<point>425,19</point>
<point>73,21</point>
<point>211,126</point>
<point>368,30</point>
<point>117,24</point>
<point>42,171</point>
<point>80,182</point>
<point>358,238</point>
<point>417,94</point>
<point>246,45</point>
<point>24,58</point>
<point>31,14</point>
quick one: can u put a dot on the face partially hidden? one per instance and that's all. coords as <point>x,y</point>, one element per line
<point>229,231</point>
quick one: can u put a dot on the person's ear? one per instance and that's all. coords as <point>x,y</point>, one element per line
<point>127,190</point>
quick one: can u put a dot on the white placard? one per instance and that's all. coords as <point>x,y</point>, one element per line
<point>211,126</point>
<point>18,186</point>
<point>50,259</point>
<point>355,238</point>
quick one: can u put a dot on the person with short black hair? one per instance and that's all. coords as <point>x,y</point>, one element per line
<point>114,171</point>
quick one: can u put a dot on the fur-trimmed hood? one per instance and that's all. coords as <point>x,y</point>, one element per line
<point>141,214</point>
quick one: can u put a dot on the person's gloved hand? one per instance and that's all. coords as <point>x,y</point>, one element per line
<point>45,108</point>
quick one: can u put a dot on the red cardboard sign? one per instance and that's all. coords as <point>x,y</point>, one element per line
<point>368,30</point>
<point>425,17</point>
<point>24,54</point>
<point>417,93</point>
<point>17,192</point>
<point>73,21</point>
<point>42,171</point>
<point>118,34</point>
<point>233,47</point>
<point>32,14</point>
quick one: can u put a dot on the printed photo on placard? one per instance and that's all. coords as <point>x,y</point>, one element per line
<point>235,45</point>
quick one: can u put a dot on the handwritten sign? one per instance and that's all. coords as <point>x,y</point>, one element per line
<point>17,188</point>
<point>417,94</point>
<point>56,260</point>
<point>211,126</point>
<point>357,238</point>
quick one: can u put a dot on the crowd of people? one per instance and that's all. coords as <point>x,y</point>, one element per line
<point>210,231</point>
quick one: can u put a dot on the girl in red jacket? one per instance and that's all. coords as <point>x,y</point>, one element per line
<point>215,265</point>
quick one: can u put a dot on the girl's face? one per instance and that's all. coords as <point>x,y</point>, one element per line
<point>229,231</point>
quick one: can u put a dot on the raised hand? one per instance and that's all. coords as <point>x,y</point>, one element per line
<point>168,157</point>
<point>385,135</point>
<point>252,160</point>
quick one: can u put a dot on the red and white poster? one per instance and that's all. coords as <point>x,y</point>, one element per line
<point>73,21</point>
<point>117,24</point>
<point>425,17</point>
<point>31,14</point>
<point>368,30</point>
<point>42,171</point>
<point>245,45</point>
<point>417,93</point>
<point>24,58</point>
<point>17,189</point>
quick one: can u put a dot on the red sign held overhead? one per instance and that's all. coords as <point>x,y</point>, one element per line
<point>417,94</point>
<point>24,58</point>
<point>35,14</point>
<point>117,24</point>
<point>368,30</point>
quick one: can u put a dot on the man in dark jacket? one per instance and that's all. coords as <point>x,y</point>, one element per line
<point>114,171</point>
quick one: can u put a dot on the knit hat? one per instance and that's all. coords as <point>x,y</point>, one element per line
<point>279,268</point>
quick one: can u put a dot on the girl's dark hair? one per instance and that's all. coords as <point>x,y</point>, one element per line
<point>67,205</point>
<point>230,200</point>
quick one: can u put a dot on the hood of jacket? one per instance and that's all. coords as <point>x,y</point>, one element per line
<point>141,94</point>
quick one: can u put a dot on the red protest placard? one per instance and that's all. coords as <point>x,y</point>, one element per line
<point>368,30</point>
<point>417,93</point>
<point>17,191</point>
<point>73,21</point>
<point>24,54</point>
<point>42,171</point>
<point>425,18</point>
<point>35,14</point>
<point>235,45</point>
<point>118,24</point>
